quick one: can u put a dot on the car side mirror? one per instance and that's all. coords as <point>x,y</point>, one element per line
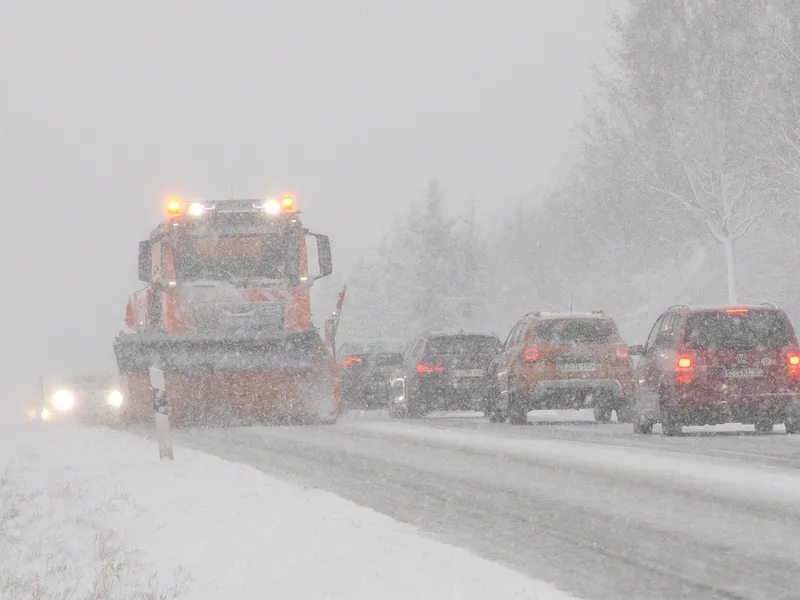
<point>145,261</point>
<point>637,350</point>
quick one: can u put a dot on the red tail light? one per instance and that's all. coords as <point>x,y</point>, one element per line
<point>350,360</point>
<point>530,354</point>
<point>684,369</point>
<point>423,368</point>
<point>622,352</point>
<point>793,364</point>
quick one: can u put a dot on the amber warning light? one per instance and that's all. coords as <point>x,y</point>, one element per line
<point>173,206</point>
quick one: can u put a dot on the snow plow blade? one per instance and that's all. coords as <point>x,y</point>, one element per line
<point>231,381</point>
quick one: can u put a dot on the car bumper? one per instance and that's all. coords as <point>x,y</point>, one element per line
<point>718,409</point>
<point>367,394</point>
<point>575,394</point>
<point>462,394</point>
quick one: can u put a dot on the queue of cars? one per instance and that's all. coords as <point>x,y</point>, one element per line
<point>698,366</point>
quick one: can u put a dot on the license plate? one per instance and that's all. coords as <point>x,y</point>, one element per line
<point>578,367</point>
<point>747,373</point>
<point>469,373</point>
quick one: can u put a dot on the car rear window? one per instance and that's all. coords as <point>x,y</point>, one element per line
<point>738,331</point>
<point>577,331</point>
<point>463,345</point>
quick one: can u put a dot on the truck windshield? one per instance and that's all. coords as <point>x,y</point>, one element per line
<point>236,257</point>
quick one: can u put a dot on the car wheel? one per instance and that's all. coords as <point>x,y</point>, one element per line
<point>792,426</point>
<point>497,417</point>
<point>625,412</point>
<point>670,426</point>
<point>763,426</point>
<point>602,414</point>
<point>642,428</point>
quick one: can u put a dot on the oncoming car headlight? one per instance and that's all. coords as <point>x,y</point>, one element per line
<point>63,400</point>
<point>115,398</point>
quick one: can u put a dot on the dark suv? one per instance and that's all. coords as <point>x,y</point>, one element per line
<point>367,367</point>
<point>444,371</point>
<point>707,366</point>
<point>561,361</point>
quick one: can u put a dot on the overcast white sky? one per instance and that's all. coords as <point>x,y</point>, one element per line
<point>105,106</point>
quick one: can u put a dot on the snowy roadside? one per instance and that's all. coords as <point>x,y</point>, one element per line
<point>90,513</point>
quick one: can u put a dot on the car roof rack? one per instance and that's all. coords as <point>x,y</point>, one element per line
<point>686,306</point>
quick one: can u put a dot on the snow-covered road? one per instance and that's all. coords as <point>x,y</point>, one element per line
<point>597,511</point>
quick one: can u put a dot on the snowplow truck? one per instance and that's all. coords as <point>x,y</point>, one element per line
<point>226,315</point>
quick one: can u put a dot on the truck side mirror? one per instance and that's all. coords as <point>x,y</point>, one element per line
<point>145,261</point>
<point>324,254</point>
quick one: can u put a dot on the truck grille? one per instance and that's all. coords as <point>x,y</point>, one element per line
<point>240,317</point>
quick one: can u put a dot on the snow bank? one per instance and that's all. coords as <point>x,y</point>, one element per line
<point>93,514</point>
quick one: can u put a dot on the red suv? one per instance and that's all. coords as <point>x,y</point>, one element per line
<point>706,366</point>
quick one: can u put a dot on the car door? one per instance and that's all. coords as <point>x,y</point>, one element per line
<point>647,376</point>
<point>398,380</point>
<point>410,365</point>
<point>510,352</point>
<point>496,366</point>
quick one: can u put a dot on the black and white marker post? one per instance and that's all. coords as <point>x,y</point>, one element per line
<point>158,385</point>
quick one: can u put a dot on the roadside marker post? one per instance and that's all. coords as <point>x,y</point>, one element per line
<point>158,385</point>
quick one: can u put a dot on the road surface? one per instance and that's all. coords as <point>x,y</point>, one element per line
<point>598,511</point>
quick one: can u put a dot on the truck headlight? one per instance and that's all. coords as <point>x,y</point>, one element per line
<point>115,398</point>
<point>63,400</point>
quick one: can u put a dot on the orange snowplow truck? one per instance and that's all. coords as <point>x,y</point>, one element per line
<point>226,315</point>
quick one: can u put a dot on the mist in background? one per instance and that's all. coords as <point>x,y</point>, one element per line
<point>106,107</point>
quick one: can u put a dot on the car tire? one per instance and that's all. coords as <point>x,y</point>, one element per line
<point>642,428</point>
<point>670,426</point>
<point>792,426</point>
<point>763,426</point>
<point>497,417</point>
<point>625,412</point>
<point>602,413</point>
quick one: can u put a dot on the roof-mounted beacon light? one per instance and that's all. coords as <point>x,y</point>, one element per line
<point>174,205</point>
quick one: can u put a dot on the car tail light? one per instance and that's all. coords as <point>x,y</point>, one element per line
<point>622,352</point>
<point>530,354</point>
<point>423,368</point>
<point>350,360</point>
<point>793,364</point>
<point>684,369</point>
